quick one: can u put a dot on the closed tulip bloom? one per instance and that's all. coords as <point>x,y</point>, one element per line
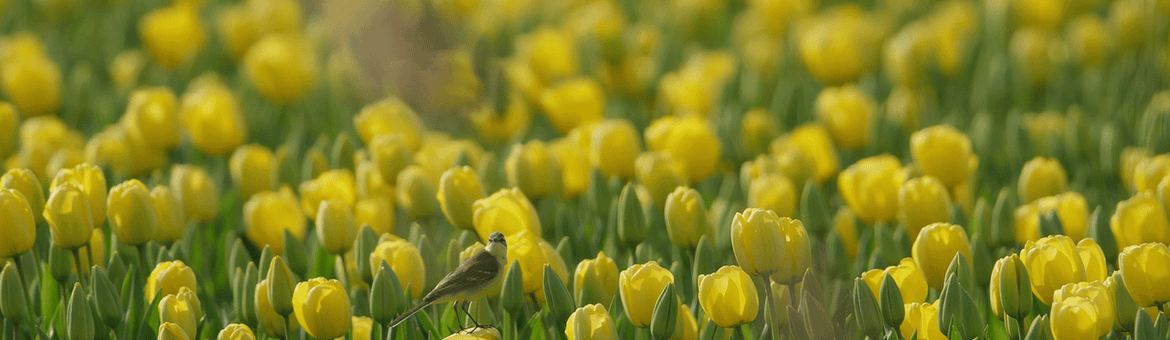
<point>270,321</point>
<point>796,166</point>
<point>1149,172</point>
<point>574,162</point>
<point>943,152</point>
<point>507,211</point>
<point>533,253</point>
<point>480,333</point>
<point>390,116</point>
<point>331,185</point>
<point>33,84</point>
<point>591,321</point>
<point>910,280</point>
<point>845,224</point>
<point>1052,262</point>
<point>1092,259</point>
<point>836,47</point>
<point>197,191</point>
<point>814,143</point>
<point>19,231</point>
<point>615,145</point>
<point>131,212</point>
<point>168,278</point>
<point>92,182</point>
<point>1128,163</point>
<point>1030,48</point>
<point>322,307</point>
<point>1100,296</point>
<point>171,331</point>
<point>870,187</point>
<point>335,227</point>
<point>268,214</point>
<point>534,169</point>
<point>751,232</point>
<point>282,66</point>
<point>660,173</point>
<point>602,276</point>
<point>692,140</point>
<point>758,129</point>
<point>377,212</point>
<point>169,213</point>
<point>1041,177</point>
<point>923,201</point>
<point>236,331</point>
<point>362,326</point>
<point>500,127</point>
<point>234,23</point>
<point>406,261</point>
<point>573,103</point>
<point>728,296</point>
<point>212,116</point>
<point>922,317</point>
<point>9,122</point>
<point>417,192</point>
<point>1071,209</point>
<point>686,218</point>
<point>1146,271</point>
<point>846,112</point>
<point>253,169</point>
<point>152,117</point>
<point>176,309</point>
<point>69,218</point>
<point>549,52</point>
<point>459,188</point>
<point>935,248</point>
<point>369,181</point>
<point>640,285</point>
<point>173,35</point>
<point>1074,318</point>
<point>1138,220</point>
<point>773,192</point>
<point>997,272</point>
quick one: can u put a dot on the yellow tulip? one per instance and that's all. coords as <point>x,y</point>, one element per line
<point>906,104</point>
<point>406,261</point>
<point>813,141</point>
<point>1041,177</point>
<point>1070,208</point>
<point>69,218</point>
<point>417,192</point>
<point>943,152</point>
<point>1030,48</point>
<point>173,35</point>
<point>169,213</point>
<point>549,52</point>
<point>574,161</point>
<point>1138,220</point>
<point>906,54</point>
<point>1129,19</point>
<point>921,202</point>
<point>377,212</point>
<point>268,214</point>
<point>33,83</point>
<point>9,120</point>
<point>270,321</point>
<point>389,116</point>
<point>197,192</point>
<point>533,168</point>
<point>686,218</point>
<point>993,289</point>
<point>922,317</point>
<point>152,117</point>
<point>640,285</point>
<point>131,212</point>
<point>459,188</point>
<point>335,185</point>
<point>92,182</point>
<point>533,253</point>
<point>1089,40</point>
<point>1128,164</point>
<point>1052,262</point>
<point>728,296</point>
<point>691,140</point>
<point>845,223</point>
<point>910,280</point>
<point>1075,318</point>
<point>573,103</point>
<point>870,187</point>
<point>322,307</point>
<point>212,116</point>
<point>282,66</point>
<point>177,309</point>
<point>602,274</point>
<point>507,211</point>
<point>1098,294</point>
<point>590,322</point>
<point>168,278</point>
<point>362,326</point>
<point>369,181</point>
<point>773,192</point>
<point>281,16</point>
<point>235,25</point>
<point>236,331</point>
<point>835,46</point>
<point>614,146</point>
<point>935,248</point>
<point>18,229</point>
<point>253,169</point>
<point>335,227</point>
<point>479,333</point>
<point>171,331</point>
<point>846,112</point>
<point>1146,271</point>
<point>26,183</point>
<point>1092,259</point>
<point>500,127</point>
<point>660,173</point>
<point>768,245</point>
<point>758,129</point>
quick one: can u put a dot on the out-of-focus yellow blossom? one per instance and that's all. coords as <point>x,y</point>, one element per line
<point>935,248</point>
<point>169,212</point>
<point>335,228</point>
<point>282,66</point>
<point>33,84</point>
<point>331,185</point>
<point>92,183</point>
<point>592,321</point>
<point>178,310</point>
<point>910,280</point>
<point>943,152</point>
<point>906,54</point>
<point>1075,317</point>
<point>1129,19</point>
<point>845,223</point>
<point>601,20</point>
<point>268,214</point>
<point>507,211</point>
<point>1101,298</point>
<point>450,81</point>
<point>197,192</point>
<point>1146,271</point>
<point>69,217</point>
<point>691,140</point>
<point>406,261</point>
<point>270,322</point>
<point>660,172</point>
<point>252,169</point>
<point>236,331</point>
<point>236,28</point>
<point>533,253</point>
<point>19,231</point>
<point>1052,262</point>
<point>533,168</point>
<point>213,118</point>
<point>275,16</point>
<point>1041,177</point>
<point>21,45</point>
<point>152,117</point>
<point>27,184</point>
<point>953,25</point>
<point>846,112</point>
<point>814,142</point>
<point>796,166</point>
<point>377,212</point>
<point>906,104</point>
<point>602,274</point>
<point>1130,158</point>
<point>1138,220</point>
<point>389,116</point>
<point>614,145</point>
<point>1071,208</point>
<point>126,67</point>
<point>573,103</point>
<point>64,159</point>
<point>835,46</point>
<point>173,35</point>
<point>168,278</point>
<point>870,187</point>
<point>439,152</point>
<point>498,127</point>
<point>1037,54</point>
<point>759,129</point>
<point>773,192</point>
<point>131,213</point>
<point>1043,14</point>
<point>686,218</point>
<point>459,188</point>
<point>921,202</point>
<point>417,192</point>
<point>922,318</point>
<point>9,123</point>
<point>695,89</point>
<point>574,162</point>
<point>1150,171</point>
<point>1045,129</point>
<point>391,153</point>
<point>322,307</point>
<point>778,14</point>
<point>549,52</point>
<point>728,296</point>
<point>48,131</point>
<point>640,285</point>
<point>1089,40</point>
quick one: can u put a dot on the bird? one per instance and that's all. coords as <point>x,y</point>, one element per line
<point>468,282</point>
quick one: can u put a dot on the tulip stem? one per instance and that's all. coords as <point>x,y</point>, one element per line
<point>343,272</point>
<point>739,331</point>
<point>287,327</point>
<point>77,262</point>
<point>769,307</point>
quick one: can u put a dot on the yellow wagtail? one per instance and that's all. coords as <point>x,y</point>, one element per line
<point>468,282</point>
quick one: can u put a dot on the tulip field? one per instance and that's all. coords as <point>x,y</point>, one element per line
<point>584,169</point>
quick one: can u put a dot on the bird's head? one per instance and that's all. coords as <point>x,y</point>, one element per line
<point>497,237</point>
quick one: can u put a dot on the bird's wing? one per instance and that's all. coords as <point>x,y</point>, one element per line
<point>477,271</point>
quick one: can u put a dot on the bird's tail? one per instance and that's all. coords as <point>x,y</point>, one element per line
<point>408,313</point>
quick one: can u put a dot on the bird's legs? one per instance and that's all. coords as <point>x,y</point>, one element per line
<point>465,311</point>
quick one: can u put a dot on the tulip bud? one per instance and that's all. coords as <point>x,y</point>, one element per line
<point>632,222</point>
<point>773,192</point>
<point>332,185</point>
<point>236,331</point>
<point>252,169</point>
<point>533,168</point>
<point>282,67</point>
<point>921,202</point>
<point>728,296</point>
<point>280,289</point>
<point>406,262</point>
<point>935,247</point>
<point>512,291</point>
<point>665,316</point>
<point>573,103</point>
<point>131,212</point>
<point>686,218</point>
<point>1041,177</point>
<point>691,140</point>
<point>459,188</point>
<point>171,331</point>
<point>69,217</point>
<point>1145,270</point>
<point>560,303</point>
<point>12,298</point>
<point>197,192</point>
<point>595,280</point>
<point>891,300</point>
<point>870,187</point>
<point>335,227</point>
<point>19,229</point>
<point>270,321</point>
<point>1010,288</point>
<point>1124,305</point>
<point>107,299</point>
<point>385,295</point>
<point>26,183</point>
<point>661,173</point>
<point>638,285</point>
<point>614,146</point>
<point>417,192</point>
<point>758,241</point>
<point>78,316</point>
